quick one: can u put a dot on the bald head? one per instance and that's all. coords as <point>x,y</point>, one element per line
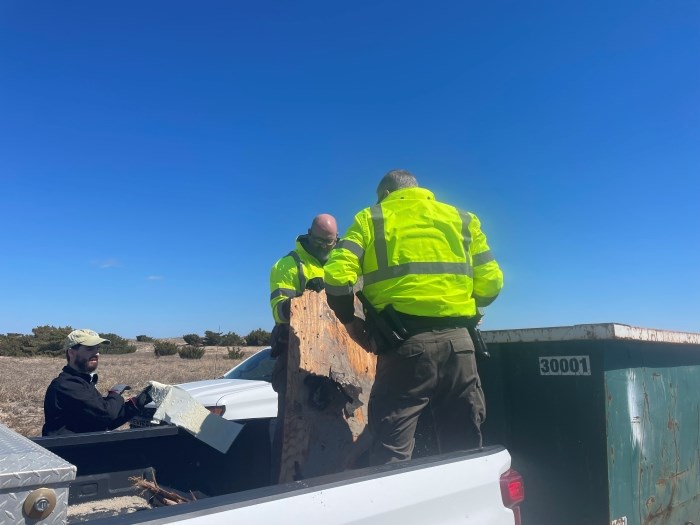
<point>322,237</point>
<point>324,227</point>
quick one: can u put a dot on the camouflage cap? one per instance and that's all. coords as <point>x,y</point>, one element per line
<point>83,337</point>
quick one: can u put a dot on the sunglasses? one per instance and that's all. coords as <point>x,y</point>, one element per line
<point>322,243</point>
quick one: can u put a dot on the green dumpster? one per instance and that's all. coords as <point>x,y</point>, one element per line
<point>602,421</point>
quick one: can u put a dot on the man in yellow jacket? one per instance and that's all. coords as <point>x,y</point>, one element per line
<point>298,271</point>
<point>426,268</point>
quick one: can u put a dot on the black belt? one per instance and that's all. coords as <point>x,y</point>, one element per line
<point>416,324</point>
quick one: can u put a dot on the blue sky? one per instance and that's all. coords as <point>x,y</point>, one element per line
<point>156,158</point>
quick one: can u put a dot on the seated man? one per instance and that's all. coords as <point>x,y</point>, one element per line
<point>73,404</point>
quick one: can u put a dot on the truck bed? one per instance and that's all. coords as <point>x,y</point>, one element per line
<point>428,490</point>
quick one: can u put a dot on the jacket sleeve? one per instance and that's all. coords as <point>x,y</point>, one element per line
<point>284,283</point>
<point>344,267</point>
<point>87,406</point>
<point>488,277</point>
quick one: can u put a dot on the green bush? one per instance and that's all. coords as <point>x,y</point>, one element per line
<point>45,340</point>
<point>118,345</point>
<point>48,340</point>
<point>232,339</point>
<point>193,339</point>
<point>191,352</point>
<point>234,353</point>
<point>161,348</point>
<point>212,338</point>
<point>13,345</point>
<point>144,339</point>
<point>258,337</point>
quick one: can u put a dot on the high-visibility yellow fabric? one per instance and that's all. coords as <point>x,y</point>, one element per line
<point>425,257</point>
<point>286,282</point>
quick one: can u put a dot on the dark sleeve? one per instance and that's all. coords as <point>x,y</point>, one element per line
<point>343,306</point>
<point>89,410</point>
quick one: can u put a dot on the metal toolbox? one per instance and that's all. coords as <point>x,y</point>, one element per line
<point>33,482</point>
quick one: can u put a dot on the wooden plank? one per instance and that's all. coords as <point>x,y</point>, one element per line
<point>329,378</point>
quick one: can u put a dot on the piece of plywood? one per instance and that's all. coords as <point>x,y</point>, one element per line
<point>329,378</point>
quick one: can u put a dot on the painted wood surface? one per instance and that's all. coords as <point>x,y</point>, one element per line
<point>329,378</point>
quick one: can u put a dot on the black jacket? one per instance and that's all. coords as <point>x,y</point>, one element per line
<point>72,404</point>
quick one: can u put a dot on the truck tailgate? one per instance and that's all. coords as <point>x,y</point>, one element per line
<point>453,488</point>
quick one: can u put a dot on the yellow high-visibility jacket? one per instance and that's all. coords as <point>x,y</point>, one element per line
<point>425,257</point>
<point>289,276</point>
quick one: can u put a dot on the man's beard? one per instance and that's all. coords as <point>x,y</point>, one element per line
<point>320,254</point>
<point>84,365</point>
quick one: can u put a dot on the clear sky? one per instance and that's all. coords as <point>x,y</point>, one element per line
<point>157,157</point>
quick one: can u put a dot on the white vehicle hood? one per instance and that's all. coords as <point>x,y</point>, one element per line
<point>243,399</point>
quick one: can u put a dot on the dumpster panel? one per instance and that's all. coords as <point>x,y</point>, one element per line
<point>603,421</point>
<point>653,421</point>
<point>554,431</point>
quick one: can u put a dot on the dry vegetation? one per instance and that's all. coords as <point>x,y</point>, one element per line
<point>23,381</point>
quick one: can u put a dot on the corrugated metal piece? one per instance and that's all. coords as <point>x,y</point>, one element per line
<point>25,467</point>
<point>605,331</point>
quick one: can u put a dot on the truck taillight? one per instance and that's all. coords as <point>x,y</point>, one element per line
<point>512,491</point>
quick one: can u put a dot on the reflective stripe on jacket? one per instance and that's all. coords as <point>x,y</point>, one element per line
<point>289,276</point>
<point>425,257</point>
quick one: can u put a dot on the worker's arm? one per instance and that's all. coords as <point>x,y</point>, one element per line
<point>488,277</point>
<point>343,269</point>
<point>284,283</point>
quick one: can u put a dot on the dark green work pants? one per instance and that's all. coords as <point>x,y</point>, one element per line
<point>434,371</point>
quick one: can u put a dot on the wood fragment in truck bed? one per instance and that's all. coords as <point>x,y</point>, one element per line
<point>91,510</point>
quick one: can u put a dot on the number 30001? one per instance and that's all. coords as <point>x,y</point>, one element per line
<point>565,366</point>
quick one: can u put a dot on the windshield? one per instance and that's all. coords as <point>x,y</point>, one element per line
<point>257,367</point>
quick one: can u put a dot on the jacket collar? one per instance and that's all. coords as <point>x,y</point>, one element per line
<point>90,378</point>
<point>301,243</point>
<point>410,193</point>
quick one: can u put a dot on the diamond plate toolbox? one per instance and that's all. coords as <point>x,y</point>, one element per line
<point>32,479</point>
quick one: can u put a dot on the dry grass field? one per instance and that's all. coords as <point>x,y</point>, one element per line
<point>23,381</point>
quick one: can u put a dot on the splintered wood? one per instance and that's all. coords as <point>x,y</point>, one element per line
<point>158,495</point>
<point>329,378</point>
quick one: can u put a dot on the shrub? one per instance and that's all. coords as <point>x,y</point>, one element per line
<point>234,353</point>
<point>164,348</point>
<point>212,338</point>
<point>193,339</point>
<point>258,337</point>
<point>118,345</point>
<point>48,340</point>
<point>191,352</point>
<point>232,339</point>
<point>144,339</point>
<point>12,345</point>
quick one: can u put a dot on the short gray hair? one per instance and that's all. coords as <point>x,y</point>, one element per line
<point>396,180</point>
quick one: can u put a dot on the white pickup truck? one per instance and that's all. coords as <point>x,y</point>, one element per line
<point>242,393</point>
<point>39,485</point>
<point>89,477</point>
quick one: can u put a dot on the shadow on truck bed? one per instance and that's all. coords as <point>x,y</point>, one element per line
<point>106,461</point>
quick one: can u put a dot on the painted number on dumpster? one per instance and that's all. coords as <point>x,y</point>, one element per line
<point>577,365</point>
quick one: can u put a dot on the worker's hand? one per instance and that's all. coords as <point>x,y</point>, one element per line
<point>358,333</point>
<point>143,398</point>
<point>119,389</point>
<point>316,284</point>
